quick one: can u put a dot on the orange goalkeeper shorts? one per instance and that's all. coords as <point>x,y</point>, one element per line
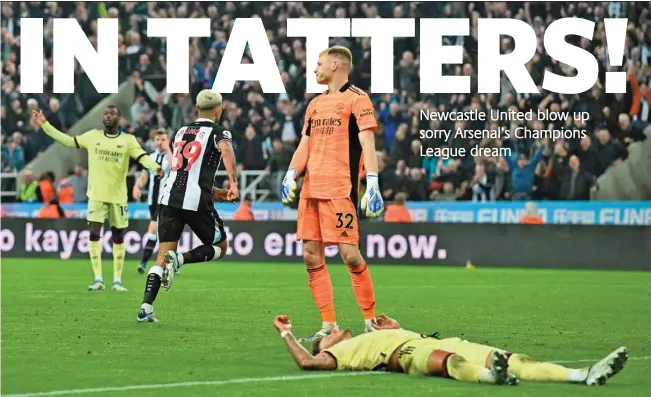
<point>331,222</point>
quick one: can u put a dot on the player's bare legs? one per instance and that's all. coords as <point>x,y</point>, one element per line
<point>321,286</point>
<point>161,272</point>
<point>149,247</point>
<point>95,253</point>
<point>360,277</point>
<point>597,374</point>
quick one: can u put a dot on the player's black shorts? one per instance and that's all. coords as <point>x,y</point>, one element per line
<point>153,212</point>
<point>206,224</point>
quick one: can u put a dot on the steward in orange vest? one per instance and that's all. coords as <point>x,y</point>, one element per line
<point>52,211</point>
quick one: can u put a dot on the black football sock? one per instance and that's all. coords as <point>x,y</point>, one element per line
<point>149,249</point>
<point>153,285</point>
<point>202,253</point>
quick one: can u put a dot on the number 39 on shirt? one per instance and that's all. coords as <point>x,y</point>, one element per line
<point>185,153</point>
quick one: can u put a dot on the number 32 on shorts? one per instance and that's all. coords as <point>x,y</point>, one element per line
<point>345,220</point>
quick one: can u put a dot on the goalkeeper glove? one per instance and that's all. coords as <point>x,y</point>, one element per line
<point>288,187</point>
<point>372,203</point>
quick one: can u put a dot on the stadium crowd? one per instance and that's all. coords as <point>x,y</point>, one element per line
<point>268,126</point>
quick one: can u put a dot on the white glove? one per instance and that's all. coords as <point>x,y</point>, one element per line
<point>288,187</point>
<point>372,203</point>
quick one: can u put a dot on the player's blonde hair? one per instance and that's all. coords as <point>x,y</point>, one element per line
<point>340,52</point>
<point>208,100</point>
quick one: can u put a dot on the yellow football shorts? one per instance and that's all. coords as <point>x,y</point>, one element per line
<point>414,355</point>
<point>117,213</point>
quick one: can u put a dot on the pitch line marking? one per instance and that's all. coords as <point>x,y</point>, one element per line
<point>237,381</point>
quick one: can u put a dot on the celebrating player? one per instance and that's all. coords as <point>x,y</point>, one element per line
<point>108,163</point>
<point>187,198</point>
<point>394,349</point>
<point>338,133</point>
<point>162,156</point>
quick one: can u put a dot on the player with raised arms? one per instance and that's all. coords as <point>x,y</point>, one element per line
<point>109,152</point>
<point>394,349</point>
<point>337,140</point>
<point>162,156</point>
<point>187,199</point>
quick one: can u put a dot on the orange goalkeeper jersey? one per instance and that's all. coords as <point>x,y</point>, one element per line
<point>333,123</point>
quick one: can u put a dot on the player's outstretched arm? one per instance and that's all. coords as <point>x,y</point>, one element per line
<point>303,358</point>
<point>64,139</point>
<point>137,153</point>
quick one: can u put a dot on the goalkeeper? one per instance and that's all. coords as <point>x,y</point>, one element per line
<point>109,152</point>
<point>394,349</point>
<point>337,140</point>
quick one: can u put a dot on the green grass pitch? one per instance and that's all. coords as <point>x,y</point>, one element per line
<point>216,328</point>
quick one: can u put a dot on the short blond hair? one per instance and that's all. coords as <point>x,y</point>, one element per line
<point>208,100</point>
<point>340,52</point>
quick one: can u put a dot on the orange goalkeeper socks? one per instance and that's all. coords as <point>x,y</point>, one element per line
<point>322,292</point>
<point>363,288</point>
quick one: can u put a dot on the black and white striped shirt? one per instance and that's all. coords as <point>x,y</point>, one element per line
<point>154,191</point>
<point>195,160</point>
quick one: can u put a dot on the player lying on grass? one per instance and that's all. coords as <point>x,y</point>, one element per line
<point>109,152</point>
<point>394,349</point>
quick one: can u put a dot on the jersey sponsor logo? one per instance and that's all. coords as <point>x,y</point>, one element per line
<point>366,112</point>
<point>227,134</point>
<point>325,126</point>
<point>108,156</point>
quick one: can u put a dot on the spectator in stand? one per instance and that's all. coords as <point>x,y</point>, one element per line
<point>16,152</point>
<point>576,183</point>
<point>522,174</point>
<point>609,151</point>
<point>627,132</point>
<point>52,210</point>
<point>29,190</point>
<point>387,178</point>
<point>480,185</point>
<point>279,161</point>
<point>417,187</point>
<point>531,215</point>
<point>250,151</point>
<point>397,212</point>
<point>641,94</point>
<point>447,194</point>
<point>72,189</point>
<point>46,190</point>
<point>588,156</point>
